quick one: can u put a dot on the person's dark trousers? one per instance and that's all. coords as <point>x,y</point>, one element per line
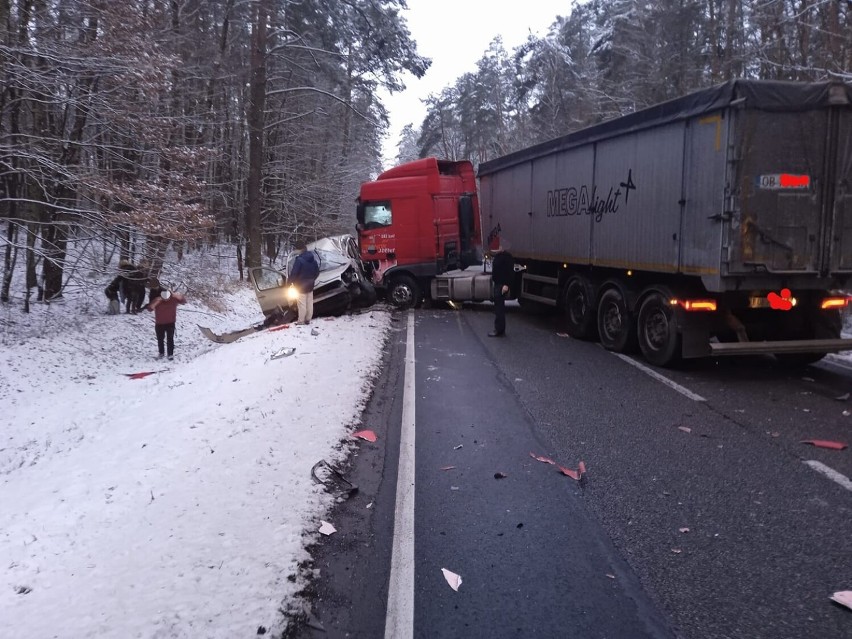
<point>166,332</point>
<point>499,311</point>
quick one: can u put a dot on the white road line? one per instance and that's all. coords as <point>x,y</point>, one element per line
<point>399,623</point>
<point>660,378</point>
<point>829,472</point>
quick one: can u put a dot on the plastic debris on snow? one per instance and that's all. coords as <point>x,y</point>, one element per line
<point>447,467</point>
<point>283,352</point>
<point>143,374</point>
<point>326,528</point>
<point>367,435</point>
<point>824,443</point>
<point>844,598</point>
<point>452,578</point>
<point>279,328</point>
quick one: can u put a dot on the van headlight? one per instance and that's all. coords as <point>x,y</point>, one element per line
<point>292,293</point>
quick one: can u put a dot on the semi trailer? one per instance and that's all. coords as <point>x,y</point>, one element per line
<point>719,223</point>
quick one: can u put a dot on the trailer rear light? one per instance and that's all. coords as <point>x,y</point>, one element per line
<point>695,305</point>
<point>835,302</point>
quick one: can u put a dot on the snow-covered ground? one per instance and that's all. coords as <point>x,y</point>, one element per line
<point>178,504</point>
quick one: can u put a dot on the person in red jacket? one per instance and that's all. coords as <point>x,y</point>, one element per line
<point>164,306</point>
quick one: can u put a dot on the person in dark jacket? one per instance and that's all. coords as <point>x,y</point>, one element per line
<point>302,275</point>
<point>502,271</point>
<point>164,306</point>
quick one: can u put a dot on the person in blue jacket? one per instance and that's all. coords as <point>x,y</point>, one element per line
<point>302,276</point>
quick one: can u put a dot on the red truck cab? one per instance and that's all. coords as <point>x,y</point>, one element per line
<point>416,221</point>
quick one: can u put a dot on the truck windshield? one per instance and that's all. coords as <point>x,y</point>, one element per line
<point>377,215</point>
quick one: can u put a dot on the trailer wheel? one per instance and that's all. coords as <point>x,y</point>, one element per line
<point>656,329</point>
<point>578,302</point>
<point>615,324</point>
<point>404,292</point>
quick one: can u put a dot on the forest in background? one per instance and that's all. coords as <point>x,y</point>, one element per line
<point>131,127</point>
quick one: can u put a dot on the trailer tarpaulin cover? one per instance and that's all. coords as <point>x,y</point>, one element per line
<point>765,95</point>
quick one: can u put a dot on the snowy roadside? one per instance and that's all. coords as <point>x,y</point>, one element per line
<point>178,504</point>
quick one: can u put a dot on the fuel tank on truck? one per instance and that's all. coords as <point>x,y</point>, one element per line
<point>746,184</point>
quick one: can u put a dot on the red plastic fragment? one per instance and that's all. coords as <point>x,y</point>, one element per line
<point>141,375</point>
<point>824,443</point>
<point>581,469</point>
<point>279,328</point>
<point>573,474</point>
<point>368,435</point>
<point>542,458</point>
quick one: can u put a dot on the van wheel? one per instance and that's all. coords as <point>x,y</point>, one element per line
<point>578,302</point>
<point>404,292</point>
<point>615,325</point>
<point>366,295</point>
<point>656,330</point>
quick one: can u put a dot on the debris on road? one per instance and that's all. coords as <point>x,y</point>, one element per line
<point>563,335</point>
<point>843,397</point>
<point>676,551</point>
<point>326,528</point>
<point>542,458</point>
<point>824,443</point>
<point>500,475</point>
<point>683,530</point>
<point>574,474</point>
<point>367,435</point>
<point>447,467</point>
<point>459,446</point>
<point>844,598</point>
<point>685,429</point>
<point>334,480</point>
<point>452,578</point>
<point>611,576</point>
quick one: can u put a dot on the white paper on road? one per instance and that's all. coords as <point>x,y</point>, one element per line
<point>844,598</point>
<point>452,578</point>
<point>326,528</point>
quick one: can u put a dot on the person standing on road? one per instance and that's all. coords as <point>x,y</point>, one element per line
<point>502,271</point>
<point>165,316</point>
<point>303,275</point>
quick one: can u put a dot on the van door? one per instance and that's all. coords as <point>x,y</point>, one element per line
<point>270,287</point>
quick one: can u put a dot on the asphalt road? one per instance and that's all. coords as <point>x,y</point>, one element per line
<point>698,516</point>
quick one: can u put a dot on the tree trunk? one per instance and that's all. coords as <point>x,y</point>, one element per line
<point>255,119</point>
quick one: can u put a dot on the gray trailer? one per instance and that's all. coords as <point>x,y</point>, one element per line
<point>718,223</point>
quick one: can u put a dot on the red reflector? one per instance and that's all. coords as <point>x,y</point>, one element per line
<point>790,181</point>
<point>834,302</point>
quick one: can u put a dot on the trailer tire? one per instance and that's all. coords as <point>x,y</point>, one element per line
<point>616,328</point>
<point>656,330</point>
<point>578,303</point>
<point>404,292</point>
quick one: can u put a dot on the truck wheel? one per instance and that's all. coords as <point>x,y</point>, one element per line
<point>578,302</point>
<point>656,329</point>
<point>404,292</point>
<point>615,325</point>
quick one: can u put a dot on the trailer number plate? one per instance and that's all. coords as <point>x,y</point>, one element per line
<point>778,181</point>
